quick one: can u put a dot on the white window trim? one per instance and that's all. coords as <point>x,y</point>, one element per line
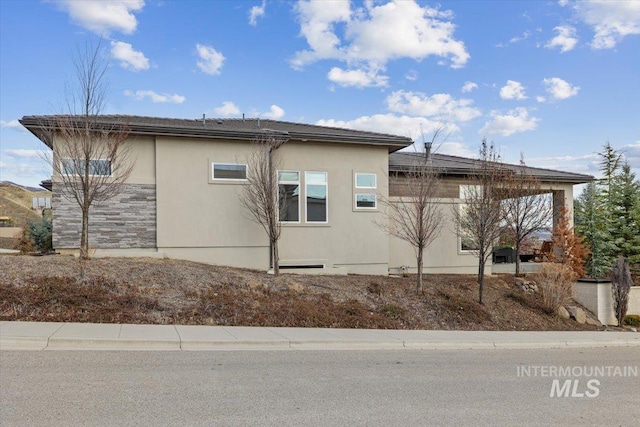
<point>326,184</point>
<point>375,179</point>
<point>299,184</point>
<point>213,176</point>
<point>62,172</point>
<point>375,201</point>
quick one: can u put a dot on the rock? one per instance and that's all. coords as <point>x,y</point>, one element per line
<point>577,314</point>
<point>633,329</point>
<point>255,285</point>
<point>295,286</point>
<point>595,322</point>
<point>562,312</point>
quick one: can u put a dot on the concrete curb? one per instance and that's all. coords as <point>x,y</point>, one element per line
<point>82,336</point>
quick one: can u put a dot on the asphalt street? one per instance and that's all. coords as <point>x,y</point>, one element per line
<point>433,387</point>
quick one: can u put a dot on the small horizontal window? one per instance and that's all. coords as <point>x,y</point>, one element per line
<point>229,171</point>
<point>366,201</point>
<point>366,180</point>
<point>97,167</point>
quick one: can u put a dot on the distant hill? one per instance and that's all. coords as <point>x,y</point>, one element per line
<point>15,202</point>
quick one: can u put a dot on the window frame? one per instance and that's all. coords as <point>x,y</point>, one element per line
<point>64,172</point>
<point>375,201</point>
<point>462,251</point>
<point>299,184</point>
<point>307,183</point>
<point>375,180</point>
<point>213,172</point>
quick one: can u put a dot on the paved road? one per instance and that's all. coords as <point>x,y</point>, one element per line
<point>463,387</point>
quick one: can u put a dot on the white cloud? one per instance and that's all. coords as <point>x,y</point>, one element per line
<point>456,149</point>
<point>11,124</point>
<point>440,106</point>
<point>103,16</point>
<point>392,124</point>
<point>210,59</point>
<point>560,89</point>
<point>129,58</point>
<point>155,97</point>
<point>274,113</point>
<point>611,21</point>
<point>468,87</point>
<point>227,108</point>
<point>541,98</point>
<point>632,154</point>
<point>565,38</point>
<point>376,34</point>
<point>514,121</point>
<point>256,12</point>
<point>412,75</point>
<point>26,154</point>
<point>512,90</point>
<point>517,39</point>
<point>357,78</point>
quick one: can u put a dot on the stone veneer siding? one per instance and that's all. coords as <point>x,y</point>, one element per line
<point>126,221</point>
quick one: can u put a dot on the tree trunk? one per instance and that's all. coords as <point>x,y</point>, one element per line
<point>275,256</point>
<point>517,259</point>
<point>84,235</point>
<point>419,287</point>
<point>480,279</point>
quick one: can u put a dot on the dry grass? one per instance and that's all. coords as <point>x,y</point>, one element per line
<point>555,283</point>
<point>180,292</point>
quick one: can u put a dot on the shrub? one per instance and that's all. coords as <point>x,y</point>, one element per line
<point>40,233</point>
<point>632,320</point>
<point>24,243</point>
<point>555,282</point>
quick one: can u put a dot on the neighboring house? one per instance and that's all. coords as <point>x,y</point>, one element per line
<point>182,198</point>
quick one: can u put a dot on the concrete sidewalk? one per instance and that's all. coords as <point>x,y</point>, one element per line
<point>92,336</point>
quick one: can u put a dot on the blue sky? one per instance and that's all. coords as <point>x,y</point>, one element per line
<point>553,80</point>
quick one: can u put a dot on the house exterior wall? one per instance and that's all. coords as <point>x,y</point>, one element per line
<point>444,255</point>
<point>202,219</point>
<point>127,221</point>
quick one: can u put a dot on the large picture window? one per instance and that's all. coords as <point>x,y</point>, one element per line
<point>96,167</point>
<point>229,171</point>
<point>316,196</point>
<point>289,196</point>
<point>467,243</point>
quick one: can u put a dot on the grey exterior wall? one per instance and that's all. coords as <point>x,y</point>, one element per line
<point>126,221</point>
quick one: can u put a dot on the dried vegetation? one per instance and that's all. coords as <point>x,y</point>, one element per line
<point>167,291</point>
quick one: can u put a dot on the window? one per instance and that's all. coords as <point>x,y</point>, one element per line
<point>289,196</point>
<point>366,201</point>
<point>229,171</point>
<point>316,192</point>
<point>470,191</point>
<point>366,180</point>
<point>96,167</point>
<point>466,241</point>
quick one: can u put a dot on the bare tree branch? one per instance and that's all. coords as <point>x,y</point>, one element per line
<point>477,220</point>
<point>416,218</point>
<point>260,196</point>
<point>90,158</point>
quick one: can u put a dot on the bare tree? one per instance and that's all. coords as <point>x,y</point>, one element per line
<point>525,207</point>
<point>90,159</point>
<point>477,220</point>
<point>415,216</point>
<point>260,196</point>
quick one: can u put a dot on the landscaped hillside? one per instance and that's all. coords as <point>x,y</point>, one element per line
<point>164,291</point>
<point>15,202</point>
